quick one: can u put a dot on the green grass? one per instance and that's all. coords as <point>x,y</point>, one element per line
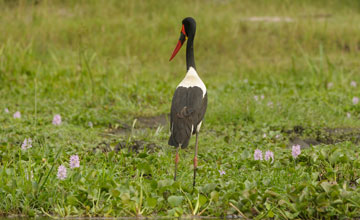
<point>106,62</point>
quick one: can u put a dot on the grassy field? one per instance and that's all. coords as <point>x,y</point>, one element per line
<point>290,78</point>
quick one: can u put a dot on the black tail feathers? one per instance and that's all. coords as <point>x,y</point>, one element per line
<point>180,134</point>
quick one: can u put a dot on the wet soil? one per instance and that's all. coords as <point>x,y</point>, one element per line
<point>153,121</point>
<point>142,123</point>
<point>298,135</point>
<point>122,128</point>
<point>135,146</point>
<point>306,137</point>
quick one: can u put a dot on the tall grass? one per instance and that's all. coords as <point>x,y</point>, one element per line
<point>106,62</point>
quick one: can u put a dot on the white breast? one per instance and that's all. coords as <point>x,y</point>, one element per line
<point>192,79</point>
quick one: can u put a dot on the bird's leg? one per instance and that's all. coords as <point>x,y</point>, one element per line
<point>176,161</point>
<point>195,158</point>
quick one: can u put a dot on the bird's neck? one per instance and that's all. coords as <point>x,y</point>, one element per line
<point>190,59</point>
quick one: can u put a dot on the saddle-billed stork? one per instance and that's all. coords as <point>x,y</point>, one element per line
<point>189,102</point>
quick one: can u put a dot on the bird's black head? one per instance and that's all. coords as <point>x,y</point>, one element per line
<point>188,30</point>
<point>189,26</point>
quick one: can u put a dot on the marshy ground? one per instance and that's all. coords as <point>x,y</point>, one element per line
<point>278,74</point>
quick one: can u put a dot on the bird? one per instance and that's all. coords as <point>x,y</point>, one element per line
<point>189,102</point>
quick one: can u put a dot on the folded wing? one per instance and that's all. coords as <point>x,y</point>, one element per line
<point>187,112</point>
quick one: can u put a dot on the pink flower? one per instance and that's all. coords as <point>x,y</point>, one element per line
<point>270,104</point>
<point>348,115</point>
<point>269,154</point>
<point>27,143</point>
<point>262,96</point>
<point>6,110</point>
<point>264,135</point>
<point>74,161</point>
<point>256,98</point>
<point>258,154</point>
<point>17,114</point>
<point>296,151</point>
<point>56,120</point>
<point>61,174</point>
<point>355,100</point>
<point>222,172</point>
<point>353,84</point>
<point>278,136</point>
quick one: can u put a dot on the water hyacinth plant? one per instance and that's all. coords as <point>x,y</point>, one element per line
<point>62,173</point>
<point>74,161</point>
<point>221,172</point>
<point>107,62</point>
<point>27,143</point>
<point>258,155</point>
<point>17,114</point>
<point>295,151</point>
<point>56,120</point>
<point>355,100</point>
<point>269,155</point>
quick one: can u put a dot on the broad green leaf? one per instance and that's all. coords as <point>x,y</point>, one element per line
<point>208,187</point>
<point>114,192</point>
<point>175,201</point>
<point>71,200</point>
<point>214,196</point>
<point>166,182</point>
<point>270,214</point>
<point>125,197</point>
<point>143,155</point>
<point>202,200</point>
<point>151,202</point>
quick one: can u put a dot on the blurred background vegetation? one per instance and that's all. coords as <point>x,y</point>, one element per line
<point>115,53</point>
<point>105,63</point>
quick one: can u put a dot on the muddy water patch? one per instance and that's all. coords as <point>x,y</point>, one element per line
<point>152,121</point>
<point>138,124</point>
<point>306,137</point>
<point>134,146</point>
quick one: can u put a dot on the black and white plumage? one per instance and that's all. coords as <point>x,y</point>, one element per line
<point>189,102</point>
<point>188,109</point>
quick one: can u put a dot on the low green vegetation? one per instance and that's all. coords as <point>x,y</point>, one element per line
<point>278,73</point>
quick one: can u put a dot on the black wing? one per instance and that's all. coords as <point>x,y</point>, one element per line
<point>187,111</point>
